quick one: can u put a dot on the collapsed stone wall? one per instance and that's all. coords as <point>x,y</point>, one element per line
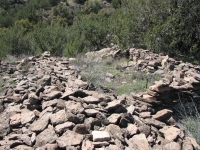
<point>46,105</point>
<point>180,82</point>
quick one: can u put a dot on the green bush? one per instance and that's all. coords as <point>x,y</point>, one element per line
<point>91,6</point>
<point>80,1</point>
<point>116,3</point>
<point>15,42</point>
<point>52,38</point>
<point>89,32</point>
<point>163,26</point>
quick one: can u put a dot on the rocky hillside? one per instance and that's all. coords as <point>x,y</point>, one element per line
<point>45,104</point>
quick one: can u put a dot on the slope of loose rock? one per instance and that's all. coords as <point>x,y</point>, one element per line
<point>50,107</point>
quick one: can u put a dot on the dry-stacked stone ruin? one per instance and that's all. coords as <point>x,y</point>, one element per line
<point>45,105</point>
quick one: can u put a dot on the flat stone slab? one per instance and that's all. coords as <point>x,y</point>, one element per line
<point>162,114</point>
<point>132,129</point>
<point>155,123</point>
<point>69,138</point>
<point>114,118</point>
<point>112,105</point>
<point>91,99</point>
<point>27,117</point>
<point>100,136</point>
<point>74,107</point>
<point>59,117</point>
<point>46,136</point>
<point>49,103</point>
<point>91,112</point>
<point>52,95</point>
<point>41,123</point>
<point>63,127</point>
<point>172,146</point>
<point>170,132</point>
<point>138,142</point>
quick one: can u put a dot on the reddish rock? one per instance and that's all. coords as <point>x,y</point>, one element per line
<point>27,117</point>
<point>193,142</point>
<point>145,114</point>
<point>159,89</point>
<point>170,132</point>
<point>112,105</point>
<point>15,120</point>
<point>139,142</point>
<point>163,114</point>
<point>15,99</point>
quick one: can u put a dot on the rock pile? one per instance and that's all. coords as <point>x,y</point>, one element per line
<point>181,81</point>
<point>46,106</point>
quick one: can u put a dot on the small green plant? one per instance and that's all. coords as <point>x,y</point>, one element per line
<point>13,82</point>
<point>124,88</point>
<point>193,126</point>
<point>187,114</point>
<point>1,82</point>
<point>10,59</point>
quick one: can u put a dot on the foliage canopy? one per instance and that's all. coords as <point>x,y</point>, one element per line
<point>74,26</point>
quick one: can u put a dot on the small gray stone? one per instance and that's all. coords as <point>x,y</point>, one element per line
<point>49,103</point>
<point>112,105</point>
<point>91,99</point>
<point>63,127</point>
<point>114,118</point>
<point>91,112</point>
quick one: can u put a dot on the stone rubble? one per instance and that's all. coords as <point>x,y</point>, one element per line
<point>46,105</point>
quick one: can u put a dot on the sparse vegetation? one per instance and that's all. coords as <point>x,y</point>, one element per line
<point>187,114</point>
<point>192,124</point>
<point>121,81</point>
